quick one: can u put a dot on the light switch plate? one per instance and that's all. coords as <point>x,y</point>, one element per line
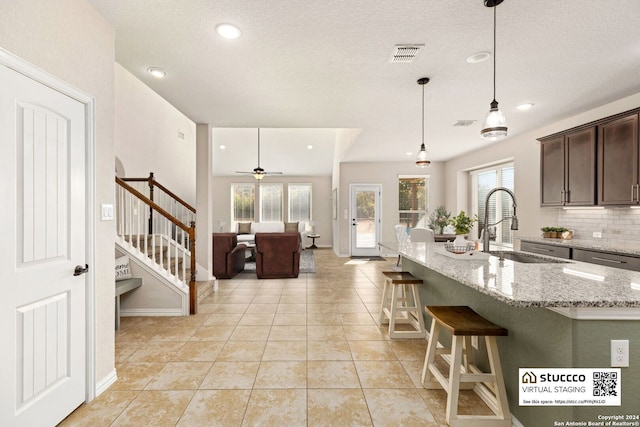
<point>597,234</point>
<point>106,212</point>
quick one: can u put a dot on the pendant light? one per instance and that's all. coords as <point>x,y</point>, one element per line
<point>495,125</point>
<point>422,161</point>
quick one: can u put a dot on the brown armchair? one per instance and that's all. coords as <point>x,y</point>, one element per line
<point>277,255</point>
<point>228,256</point>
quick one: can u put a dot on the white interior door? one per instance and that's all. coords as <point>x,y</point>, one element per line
<point>42,308</point>
<point>365,219</point>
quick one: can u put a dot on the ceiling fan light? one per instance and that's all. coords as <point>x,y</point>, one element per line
<point>258,175</point>
<point>495,124</point>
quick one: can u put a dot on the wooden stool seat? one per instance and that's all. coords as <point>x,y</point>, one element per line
<point>463,323</point>
<point>462,320</point>
<point>401,304</point>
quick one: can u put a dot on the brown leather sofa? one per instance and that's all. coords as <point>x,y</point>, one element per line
<point>228,256</point>
<point>277,255</point>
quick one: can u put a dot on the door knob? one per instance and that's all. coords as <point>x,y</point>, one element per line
<point>80,270</point>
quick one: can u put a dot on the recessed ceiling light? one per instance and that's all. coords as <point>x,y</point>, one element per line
<point>222,147</point>
<point>478,57</point>
<point>309,147</point>
<point>409,153</point>
<point>156,72</point>
<point>524,107</point>
<point>228,31</point>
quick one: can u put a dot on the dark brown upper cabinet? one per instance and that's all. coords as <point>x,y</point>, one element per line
<point>619,162</point>
<point>567,168</point>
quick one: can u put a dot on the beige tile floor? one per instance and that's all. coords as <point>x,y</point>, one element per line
<point>294,352</point>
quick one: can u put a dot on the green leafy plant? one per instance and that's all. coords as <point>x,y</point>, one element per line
<point>439,219</point>
<point>462,222</point>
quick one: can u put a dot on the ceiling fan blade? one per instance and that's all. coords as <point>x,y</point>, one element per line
<point>273,173</point>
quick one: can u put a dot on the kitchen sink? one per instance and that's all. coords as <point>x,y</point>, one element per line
<point>525,257</point>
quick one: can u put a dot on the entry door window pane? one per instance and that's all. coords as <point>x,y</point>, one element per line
<point>365,219</point>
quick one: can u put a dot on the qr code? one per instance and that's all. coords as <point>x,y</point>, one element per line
<point>605,384</point>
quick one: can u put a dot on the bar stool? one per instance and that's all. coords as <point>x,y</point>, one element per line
<point>463,323</point>
<point>401,304</point>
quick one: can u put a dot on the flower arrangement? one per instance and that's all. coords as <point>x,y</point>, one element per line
<point>463,223</point>
<point>439,219</point>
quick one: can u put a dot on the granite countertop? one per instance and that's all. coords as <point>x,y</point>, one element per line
<point>571,284</point>
<point>620,248</point>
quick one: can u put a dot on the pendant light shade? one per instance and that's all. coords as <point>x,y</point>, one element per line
<point>495,124</point>
<point>422,161</point>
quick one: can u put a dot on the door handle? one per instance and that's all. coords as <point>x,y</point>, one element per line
<point>80,270</point>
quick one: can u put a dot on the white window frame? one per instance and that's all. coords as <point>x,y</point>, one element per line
<point>425,219</point>
<point>231,194</point>
<point>261,187</point>
<point>310,186</point>
<point>475,203</point>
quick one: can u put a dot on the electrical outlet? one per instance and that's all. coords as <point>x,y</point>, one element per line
<point>597,234</point>
<point>619,353</point>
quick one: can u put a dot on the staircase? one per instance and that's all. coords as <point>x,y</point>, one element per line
<point>158,228</point>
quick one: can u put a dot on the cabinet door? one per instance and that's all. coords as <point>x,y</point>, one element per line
<point>552,171</point>
<point>580,166</point>
<point>618,161</point>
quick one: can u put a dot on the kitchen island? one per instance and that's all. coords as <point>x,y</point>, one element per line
<point>559,315</point>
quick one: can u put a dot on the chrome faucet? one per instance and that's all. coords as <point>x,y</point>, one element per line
<point>514,218</point>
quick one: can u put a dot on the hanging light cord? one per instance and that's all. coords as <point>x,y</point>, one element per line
<point>494,52</point>
<point>422,147</point>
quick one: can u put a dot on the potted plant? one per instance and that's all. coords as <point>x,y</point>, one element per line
<point>546,232</point>
<point>439,219</point>
<point>463,223</point>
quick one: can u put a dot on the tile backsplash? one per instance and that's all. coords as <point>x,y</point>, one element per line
<point>615,224</point>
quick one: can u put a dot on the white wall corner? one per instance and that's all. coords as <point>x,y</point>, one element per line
<point>106,382</point>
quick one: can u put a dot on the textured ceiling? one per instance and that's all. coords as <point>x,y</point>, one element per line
<point>325,64</point>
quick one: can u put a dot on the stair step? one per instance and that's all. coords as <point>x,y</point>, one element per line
<point>205,288</point>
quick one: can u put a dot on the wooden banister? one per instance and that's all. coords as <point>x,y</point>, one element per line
<point>190,230</point>
<point>153,205</point>
<point>153,182</point>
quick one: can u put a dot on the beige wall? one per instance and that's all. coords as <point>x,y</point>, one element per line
<point>72,41</point>
<point>146,137</point>
<point>321,201</point>
<point>385,174</point>
<point>525,152</point>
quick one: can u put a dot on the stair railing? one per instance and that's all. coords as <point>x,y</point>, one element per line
<point>165,239</point>
<point>164,197</point>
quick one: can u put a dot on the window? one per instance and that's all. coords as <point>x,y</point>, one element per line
<point>299,202</point>
<point>500,205</point>
<point>242,202</point>
<point>270,202</point>
<point>413,200</point>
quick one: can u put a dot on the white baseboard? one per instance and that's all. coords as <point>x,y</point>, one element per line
<point>106,382</point>
<point>151,312</point>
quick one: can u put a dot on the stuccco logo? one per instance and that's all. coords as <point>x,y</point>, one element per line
<point>529,378</point>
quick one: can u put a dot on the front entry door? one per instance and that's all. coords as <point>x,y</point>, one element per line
<point>365,219</point>
<point>42,308</point>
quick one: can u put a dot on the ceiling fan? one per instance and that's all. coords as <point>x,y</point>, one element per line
<point>259,173</point>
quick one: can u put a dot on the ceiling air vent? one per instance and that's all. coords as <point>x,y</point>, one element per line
<point>405,53</point>
<point>464,123</point>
